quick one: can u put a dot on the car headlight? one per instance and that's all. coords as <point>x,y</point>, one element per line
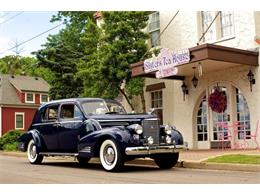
<point>138,129</point>
<point>168,129</point>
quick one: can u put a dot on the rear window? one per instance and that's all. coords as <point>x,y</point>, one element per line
<point>50,113</point>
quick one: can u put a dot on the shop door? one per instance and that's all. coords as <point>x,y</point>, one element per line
<point>220,120</point>
<point>202,134</point>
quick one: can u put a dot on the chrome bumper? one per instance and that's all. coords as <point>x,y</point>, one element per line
<point>147,150</point>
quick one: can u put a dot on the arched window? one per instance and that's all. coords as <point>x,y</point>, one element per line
<point>243,115</point>
<point>202,124</point>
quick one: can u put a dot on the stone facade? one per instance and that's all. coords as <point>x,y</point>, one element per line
<point>184,32</point>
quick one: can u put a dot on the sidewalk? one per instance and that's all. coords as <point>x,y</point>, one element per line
<point>187,159</point>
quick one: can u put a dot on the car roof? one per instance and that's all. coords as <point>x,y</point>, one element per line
<point>70,100</point>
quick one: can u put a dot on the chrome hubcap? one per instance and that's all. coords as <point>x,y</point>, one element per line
<point>33,151</point>
<point>109,155</point>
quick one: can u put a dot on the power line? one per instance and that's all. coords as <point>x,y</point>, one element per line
<point>5,14</point>
<point>204,33</point>
<point>14,16</point>
<point>36,36</point>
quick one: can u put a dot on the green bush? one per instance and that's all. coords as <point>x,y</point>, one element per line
<point>9,140</point>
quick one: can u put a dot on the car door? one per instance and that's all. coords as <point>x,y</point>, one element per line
<point>49,127</point>
<point>71,123</point>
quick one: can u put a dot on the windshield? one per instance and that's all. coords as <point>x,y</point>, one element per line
<point>97,107</point>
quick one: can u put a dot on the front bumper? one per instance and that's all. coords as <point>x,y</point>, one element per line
<point>148,150</point>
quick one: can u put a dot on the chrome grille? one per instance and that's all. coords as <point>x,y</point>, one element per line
<point>151,128</point>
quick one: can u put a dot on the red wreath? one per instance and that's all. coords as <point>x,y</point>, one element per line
<point>218,100</point>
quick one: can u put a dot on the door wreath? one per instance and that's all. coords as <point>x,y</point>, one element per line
<point>218,100</point>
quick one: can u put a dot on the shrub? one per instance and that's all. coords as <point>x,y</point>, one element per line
<point>9,140</point>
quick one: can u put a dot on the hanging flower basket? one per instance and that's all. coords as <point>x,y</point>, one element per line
<point>218,100</point>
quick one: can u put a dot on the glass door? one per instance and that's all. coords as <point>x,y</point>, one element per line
<point>220,120</point>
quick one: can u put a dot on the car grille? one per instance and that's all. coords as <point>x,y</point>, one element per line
<point>151,128</point>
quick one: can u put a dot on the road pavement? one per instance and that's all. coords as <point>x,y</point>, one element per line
<point>17,170</point>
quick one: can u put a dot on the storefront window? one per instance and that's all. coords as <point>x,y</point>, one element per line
<point>243,115</point>
<point>202,127</point>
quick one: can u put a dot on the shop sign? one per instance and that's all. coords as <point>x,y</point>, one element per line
<point>165,63</point>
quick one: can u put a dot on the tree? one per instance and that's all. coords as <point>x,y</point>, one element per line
<point>19,65</point>
<point>61,53</point>
<point>91,61</point>
<point>120,42</point>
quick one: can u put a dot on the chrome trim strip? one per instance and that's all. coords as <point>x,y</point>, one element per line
<point>57,154</point>
<point>50,123</point>
<point>118,120</point>
<point>147,150</point>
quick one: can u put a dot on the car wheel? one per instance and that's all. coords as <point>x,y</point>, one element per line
<point>110,156</point>
<point>32,154</point>
<point>82,160</point>
<point>166,161</point>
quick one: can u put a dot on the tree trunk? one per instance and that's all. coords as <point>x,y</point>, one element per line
<point>143,102</point>
<point>127,99</point>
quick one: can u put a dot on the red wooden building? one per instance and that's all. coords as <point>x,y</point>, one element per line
<point>20,96</point>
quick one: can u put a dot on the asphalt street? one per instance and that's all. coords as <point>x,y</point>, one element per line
<point>17,170</point>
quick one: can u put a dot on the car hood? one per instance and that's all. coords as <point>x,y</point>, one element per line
<point>122,117</point>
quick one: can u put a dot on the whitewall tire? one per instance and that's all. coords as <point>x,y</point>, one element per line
<point>110,156</point>
<point>32,154</point>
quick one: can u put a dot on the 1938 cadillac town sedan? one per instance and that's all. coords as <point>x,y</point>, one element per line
<point>94,127</point>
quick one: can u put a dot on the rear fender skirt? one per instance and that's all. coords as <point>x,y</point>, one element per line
<point>32,134</point>
<point>90,143</point>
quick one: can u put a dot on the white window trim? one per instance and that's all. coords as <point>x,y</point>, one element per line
<point>19,113</point>
<point>30,101</point>
<point>233,26</point>
<point>48,99</point>
<point>154,30</point>
<point>217,29</point>
<point>156,99</point>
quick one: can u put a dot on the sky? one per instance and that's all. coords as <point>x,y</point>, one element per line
<point>23,26</point>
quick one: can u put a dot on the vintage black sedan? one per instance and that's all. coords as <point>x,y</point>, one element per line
<point>94,127</point>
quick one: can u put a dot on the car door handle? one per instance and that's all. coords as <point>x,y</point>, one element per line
<point>57,124</point>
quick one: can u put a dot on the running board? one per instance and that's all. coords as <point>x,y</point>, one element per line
<point>57,154</point>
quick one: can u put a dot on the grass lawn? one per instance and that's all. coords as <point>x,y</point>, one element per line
<point>236,158</point>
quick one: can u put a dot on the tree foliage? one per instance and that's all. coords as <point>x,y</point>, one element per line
<point>18,65</point>
<point>93,61</point>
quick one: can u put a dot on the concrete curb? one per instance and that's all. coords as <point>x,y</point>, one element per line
<point>180,164</point>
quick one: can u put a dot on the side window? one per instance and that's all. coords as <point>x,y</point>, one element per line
<point>50,113</point>
<point>70,111</point>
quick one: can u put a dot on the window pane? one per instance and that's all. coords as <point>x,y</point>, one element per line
<point>29,97</point>
<point>19,121</point>
<point>155,40</point>
<point>44,98</point>
<point>226,23</point>
<point>200,137</point>
<point>77,112</point>
<point>206,20</point>
<point>67,111</point>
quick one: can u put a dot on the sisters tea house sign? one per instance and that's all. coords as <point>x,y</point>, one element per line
<point>165,63</point>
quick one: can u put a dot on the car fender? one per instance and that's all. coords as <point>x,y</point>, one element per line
<point>93,141</point>
<point>24,139</point>
<point>177,137</point>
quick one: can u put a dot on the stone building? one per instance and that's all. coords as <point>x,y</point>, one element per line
<point>222,61</point>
